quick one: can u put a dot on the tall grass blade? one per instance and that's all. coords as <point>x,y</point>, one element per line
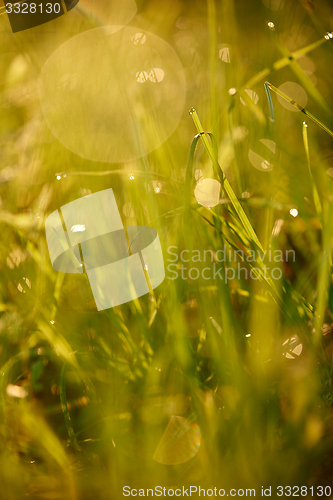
<point>303,110</point>
<point>225,184</point>
<point>313,185</point>
<point>270,102</point>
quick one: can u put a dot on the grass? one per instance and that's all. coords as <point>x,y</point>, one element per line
<point>100,388</point>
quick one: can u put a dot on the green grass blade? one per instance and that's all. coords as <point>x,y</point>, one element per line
<point>303,78</point>
<point>65,410</point>
<point>270,102</point>
<point>313,185</point>
<point>225,184</point>
<point>283,62</point>
<point>299,107</point>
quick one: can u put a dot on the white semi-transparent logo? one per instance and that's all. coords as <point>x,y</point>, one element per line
<point>87,235</point>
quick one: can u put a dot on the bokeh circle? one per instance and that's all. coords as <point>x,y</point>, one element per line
<point>113,95</point>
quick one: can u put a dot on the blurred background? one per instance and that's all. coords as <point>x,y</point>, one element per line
<point>211,382</point>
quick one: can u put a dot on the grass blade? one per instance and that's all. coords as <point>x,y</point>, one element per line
<point>283,62</point>
<point>225,183</point>
<point>305,111</point>
<point>270,102</point>
<point>313,185</point>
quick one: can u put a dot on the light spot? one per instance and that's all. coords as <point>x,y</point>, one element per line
<point>259,162</point>
<point>224,54</point>
<point>270,144</point>
<point>128,210</point>
<point>252,95</point>
<point>157,186</point>
<point>182,23</point>
<point>271,25</point>
<point>78,228</point>
<point>131,177</point>
<point>27,282</point>
<point>277,227</point>
<point>110,95</point>
<point>156,75</point>
<point>138,39</point>
<point>232,91</point>
<point>16,391</point>
<point>295,348</point>
<point>296,93</point>
<point>293,212</point>
<point>58,177</point>
<point>180,442</point>
<point>207,192</point>
<point>141,76</point>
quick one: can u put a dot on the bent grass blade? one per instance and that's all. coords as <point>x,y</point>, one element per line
<point>225,183</point>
